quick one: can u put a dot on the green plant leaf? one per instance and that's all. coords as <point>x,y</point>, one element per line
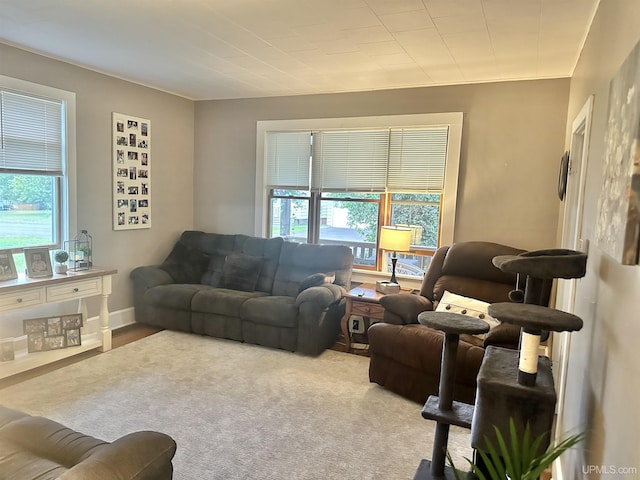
<point>456,473</point>
<point>492,461</point>
<point>553,452</point>
<point>520,457</point>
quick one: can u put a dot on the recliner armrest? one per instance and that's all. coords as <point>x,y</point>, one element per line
<point>150,276</point>
<point>401,308</point>
<point>505,335</point>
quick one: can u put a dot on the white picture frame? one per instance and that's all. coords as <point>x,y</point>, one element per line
<point>131,172</point>
<point>38,262</point>
<point>7,266</point>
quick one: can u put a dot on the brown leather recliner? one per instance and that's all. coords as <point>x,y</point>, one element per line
<point>405,356</point>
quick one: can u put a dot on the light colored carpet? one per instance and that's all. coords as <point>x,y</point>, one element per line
<point>241,411</point>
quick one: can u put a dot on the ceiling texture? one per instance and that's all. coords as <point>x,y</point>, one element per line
<point>222,49</point>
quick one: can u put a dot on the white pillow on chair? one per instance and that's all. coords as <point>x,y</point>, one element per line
<point>453,303</point>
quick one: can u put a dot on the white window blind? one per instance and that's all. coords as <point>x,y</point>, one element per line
<point>288,160</point>
<point>417,159</point>
<point>351,160</point>
<point>31,134</point>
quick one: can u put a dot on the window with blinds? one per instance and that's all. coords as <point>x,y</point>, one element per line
<point>31,134</point>
<point>289,160</point>
<point>350,161</point>
<point>36,161</point>
<point>340,180</point>
<point>417,159</point>
<point>381,160</point>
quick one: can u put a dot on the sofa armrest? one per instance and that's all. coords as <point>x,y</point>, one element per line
<point>324,295</point>
<point>505,335</point>
<point>140,455</point>
<point>401,308</point>
<point>149,276</point>
<point>319,312</point>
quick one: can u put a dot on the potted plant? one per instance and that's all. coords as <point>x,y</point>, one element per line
<point>516,458</point>
<point>61,258</point>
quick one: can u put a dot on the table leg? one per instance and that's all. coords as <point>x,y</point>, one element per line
<point>344,325</point>
<point>105,330</point>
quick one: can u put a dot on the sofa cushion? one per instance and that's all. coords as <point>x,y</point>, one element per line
<point>269,249</point>
<point>177,296</point>
<point>277,311</point>
<point>221,301</point>
<point>241,272</point>
<point>218,246</point>
<point>299,260</point>
<point>185,264</point>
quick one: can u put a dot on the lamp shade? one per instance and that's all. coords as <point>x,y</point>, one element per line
<point>395,238</point>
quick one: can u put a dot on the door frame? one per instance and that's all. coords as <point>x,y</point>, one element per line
<point>571,239</point>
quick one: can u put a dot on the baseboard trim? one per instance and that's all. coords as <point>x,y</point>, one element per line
<point>117,319</point>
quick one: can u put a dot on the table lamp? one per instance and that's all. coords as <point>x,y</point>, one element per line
<point>395,239</point>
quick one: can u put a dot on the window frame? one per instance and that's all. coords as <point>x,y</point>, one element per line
<point>448,201</point>
<point>65,194</point>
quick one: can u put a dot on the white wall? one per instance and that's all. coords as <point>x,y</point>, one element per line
<point>172,122</point>
<point>604,368</point>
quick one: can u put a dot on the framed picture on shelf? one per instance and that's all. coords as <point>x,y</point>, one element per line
<point>52,333</point>
<point>35,342</point>
<point>34,325</point>
<point>73,321</point>
<point>7,266</point>
<point>6,350</point>
<point>72,337</point>
<point>38,262</point>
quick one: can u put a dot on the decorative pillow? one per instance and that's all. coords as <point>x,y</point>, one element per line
<point>241,272</point>
<point>185,265</point>
<point>450,302</point>
<point>316,279</point>
<point>313,280</point>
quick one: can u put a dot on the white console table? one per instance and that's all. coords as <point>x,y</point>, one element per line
<point>25,292</point>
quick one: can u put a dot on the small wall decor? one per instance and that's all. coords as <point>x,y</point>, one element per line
<point>38,262</point>
<point>131,172</point>
<point>563,176</point>
<point>7,266</point>
<point>617,231</point>
<point>51,333</point>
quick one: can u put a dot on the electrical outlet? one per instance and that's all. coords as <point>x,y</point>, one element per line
<point>357,325</point>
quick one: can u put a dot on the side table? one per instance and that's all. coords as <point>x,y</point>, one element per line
<point>362,300</point>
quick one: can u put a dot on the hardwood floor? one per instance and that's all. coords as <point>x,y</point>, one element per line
<point>121,336</point>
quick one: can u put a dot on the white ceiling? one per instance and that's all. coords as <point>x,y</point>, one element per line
<point>219,49</point>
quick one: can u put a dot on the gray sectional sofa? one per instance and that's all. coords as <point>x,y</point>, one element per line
<point>268,292</point>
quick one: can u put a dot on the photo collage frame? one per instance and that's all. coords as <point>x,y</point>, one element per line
<point>131,172</point>
<point>52,333</point>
